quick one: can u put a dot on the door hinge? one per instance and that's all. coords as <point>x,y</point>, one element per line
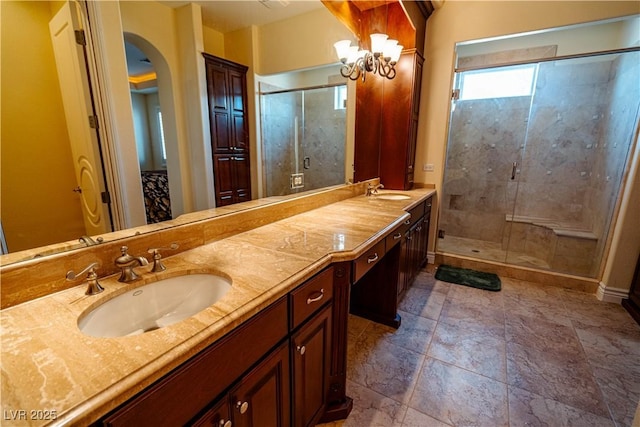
<point>455,95</point>
<point>80,38</point>
<point>93,122</point>
<point>106,197</point>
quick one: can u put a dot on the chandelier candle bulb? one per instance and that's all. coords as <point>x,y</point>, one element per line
<point>378,42</point>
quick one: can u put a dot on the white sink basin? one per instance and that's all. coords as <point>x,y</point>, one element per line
<point>392,196</point>
<point>154,306</point>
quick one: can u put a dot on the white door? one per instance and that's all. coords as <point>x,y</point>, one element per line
<point>76,98</point>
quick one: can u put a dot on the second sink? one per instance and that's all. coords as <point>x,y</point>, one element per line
<point>155,305</point>
<point>392,196</point>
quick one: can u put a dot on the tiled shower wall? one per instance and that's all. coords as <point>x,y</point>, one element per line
<point>321,136</point>
<point>485,138</point>
<point>620,122</point>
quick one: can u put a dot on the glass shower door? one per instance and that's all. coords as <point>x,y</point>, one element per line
<point>487,133</point>
<point>303,139</point>
<point>584,113</point>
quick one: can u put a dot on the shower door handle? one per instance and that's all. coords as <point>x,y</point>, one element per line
<point>513,170</point>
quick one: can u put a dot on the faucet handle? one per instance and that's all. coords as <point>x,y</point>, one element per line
<point>158,266</point>
<point>93,287</point>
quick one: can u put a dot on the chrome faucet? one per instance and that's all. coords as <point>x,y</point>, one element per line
<point>93,287</point>
<point>126,263</point>
<point>372,189</point>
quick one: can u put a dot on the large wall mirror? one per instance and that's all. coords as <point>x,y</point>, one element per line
<point>45,199</point>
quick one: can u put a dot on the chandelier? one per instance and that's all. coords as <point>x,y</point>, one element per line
<point>357,62</point>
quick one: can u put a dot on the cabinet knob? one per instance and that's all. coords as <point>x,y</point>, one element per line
<point>397,236</point>
<point>318,298</point>
<point>242,406</point>
<point>301,349</point>
<point>372,258</point>
<point>224,423</point>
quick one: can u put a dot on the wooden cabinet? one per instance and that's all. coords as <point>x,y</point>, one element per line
<point>218,416</point>
<point>373,294</point>
<point>233,182</point>
<point>387,124</point>
<point>228,122</point>
<point>260,399</point>
<point>285,366</point>
<point>376,293</point>
<point>310,358</point>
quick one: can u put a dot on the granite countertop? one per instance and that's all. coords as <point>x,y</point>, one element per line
<point>51,369</point>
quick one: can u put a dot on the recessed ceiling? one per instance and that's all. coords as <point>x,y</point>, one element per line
<point>225,16</point>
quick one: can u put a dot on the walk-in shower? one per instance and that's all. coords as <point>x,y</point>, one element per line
<point>535,160</point>
<point>303,138</point>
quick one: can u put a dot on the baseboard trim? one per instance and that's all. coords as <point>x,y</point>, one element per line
<point>610,294</point>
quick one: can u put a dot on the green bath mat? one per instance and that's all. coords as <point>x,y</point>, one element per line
<point>466,277</point>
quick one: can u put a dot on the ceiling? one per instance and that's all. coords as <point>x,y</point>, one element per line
<point>225,16</point>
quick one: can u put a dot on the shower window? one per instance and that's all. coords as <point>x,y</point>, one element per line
<point>497,82</point>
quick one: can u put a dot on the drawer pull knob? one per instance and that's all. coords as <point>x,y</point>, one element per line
<point>316,299</point>
<point>242,406</point>
<point>373,258</point>
<point>407,222</point>
<point>301,349</point>
<point>397,236</point>
<point>224,423</point>
<point>429,205</point>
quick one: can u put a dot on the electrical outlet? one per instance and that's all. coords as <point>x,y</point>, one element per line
<point>428,167</point>
<point>297,180</point>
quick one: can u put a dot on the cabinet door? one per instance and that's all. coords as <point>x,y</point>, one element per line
<point>218,416</point>
<point>241,178</point>
<point>261,399</point>
<point>223,171</point>
<point>219,111</point>
<point>311,356</point>
<point>240,134</point>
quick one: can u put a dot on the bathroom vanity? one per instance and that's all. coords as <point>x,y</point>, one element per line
<point>272,349</point>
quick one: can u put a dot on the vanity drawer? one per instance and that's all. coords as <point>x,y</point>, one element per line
<point>416,213</point>
<point>368,260</point>
<point>396,235</point>
<point>308,298</point>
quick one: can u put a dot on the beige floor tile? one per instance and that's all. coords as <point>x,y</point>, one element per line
<point>527,355</point>
<point>459,397</point>
<point>383,367</point>
<point>471,346</point>
<point>562,377</point>
<point>529,409</point>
